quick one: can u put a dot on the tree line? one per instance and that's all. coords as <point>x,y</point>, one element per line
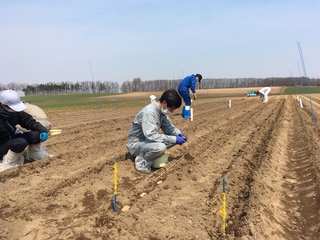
<point>65,87</point>
<point>137,85</point>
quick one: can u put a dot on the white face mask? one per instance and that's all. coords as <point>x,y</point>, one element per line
<point>165,111</point>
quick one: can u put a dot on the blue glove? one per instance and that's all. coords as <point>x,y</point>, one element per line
<point>43,136</point>
<point>182,135</point>
<point>180,140</point>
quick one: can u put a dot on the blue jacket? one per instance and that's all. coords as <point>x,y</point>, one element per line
<point>188,82</point>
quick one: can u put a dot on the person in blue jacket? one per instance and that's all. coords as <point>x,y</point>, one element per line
<point>187,83</point>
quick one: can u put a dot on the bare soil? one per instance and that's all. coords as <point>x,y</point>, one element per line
<point>268,153</point>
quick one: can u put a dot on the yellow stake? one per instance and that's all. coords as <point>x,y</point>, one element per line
<point>223,211</point>
<point>115,181</point>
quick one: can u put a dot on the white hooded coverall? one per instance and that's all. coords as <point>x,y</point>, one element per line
<point>265,92</point>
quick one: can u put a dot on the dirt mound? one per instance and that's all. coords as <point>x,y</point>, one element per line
<point>267,152</point>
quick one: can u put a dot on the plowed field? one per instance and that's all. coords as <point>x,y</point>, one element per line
<point>268,153</point>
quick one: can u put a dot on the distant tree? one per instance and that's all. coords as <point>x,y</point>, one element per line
<point>137,85</point>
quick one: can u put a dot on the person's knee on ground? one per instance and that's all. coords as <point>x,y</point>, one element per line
<point>142,165</point>
<point>12,159</point>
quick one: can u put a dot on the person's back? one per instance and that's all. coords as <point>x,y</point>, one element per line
<point>136,132</point>
<point>38,114</point>
<point>187,83</point>
<point>264,92</point>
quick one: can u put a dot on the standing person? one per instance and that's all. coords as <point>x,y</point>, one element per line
<point>263,93</point>
<point>13,142</point>
<point>187,83</point>
<point>144,141</point>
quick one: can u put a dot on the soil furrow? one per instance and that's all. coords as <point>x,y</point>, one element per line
<point>267,152</point>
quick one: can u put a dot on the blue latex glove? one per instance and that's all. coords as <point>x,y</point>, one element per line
<point>43,136</point>
<point>182,135</point>
<point>180,140</point>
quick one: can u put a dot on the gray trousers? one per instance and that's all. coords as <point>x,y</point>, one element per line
<point>149,151</point>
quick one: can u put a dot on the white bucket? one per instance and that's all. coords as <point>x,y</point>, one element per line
<point>161,161</point>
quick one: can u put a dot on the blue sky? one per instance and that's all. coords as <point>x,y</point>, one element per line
<point>53,41</point>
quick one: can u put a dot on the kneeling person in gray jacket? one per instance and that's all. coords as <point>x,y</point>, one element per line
<point>144,141</point>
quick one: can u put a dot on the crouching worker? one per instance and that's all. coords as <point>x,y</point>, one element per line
<point>263,94</point>
<point>13,142</point>
<point>36,151</point>
<point>144,141</point>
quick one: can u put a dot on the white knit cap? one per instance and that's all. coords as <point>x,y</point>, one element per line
<point>12,100</point>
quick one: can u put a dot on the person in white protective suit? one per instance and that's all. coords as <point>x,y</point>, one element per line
<point>144,141</point>
<point>263,94</point>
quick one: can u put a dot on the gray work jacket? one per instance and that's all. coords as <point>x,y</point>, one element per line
<point>146,125</point>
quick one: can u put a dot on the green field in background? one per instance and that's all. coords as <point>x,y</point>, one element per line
<point>64,97</point>
<point>87,100</point>
<point>82,100</point>
<point>301,90</point>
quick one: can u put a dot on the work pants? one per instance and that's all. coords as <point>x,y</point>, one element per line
<point>150,151</point>
<point>19,142</point>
